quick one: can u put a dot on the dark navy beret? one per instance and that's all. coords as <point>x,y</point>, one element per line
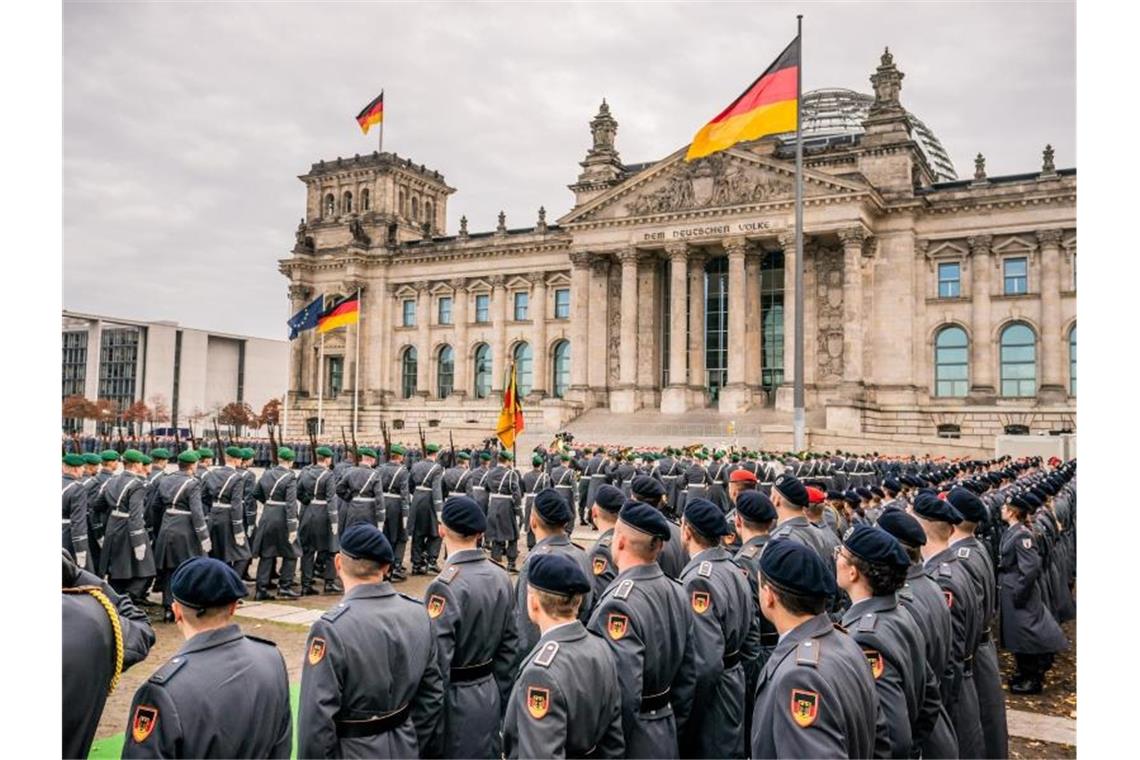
<point>706,518</point>
<point>903,527</point>
<point>609,498</point>
<point>968,504</point>
<point>366,541</point>
<point>755,506</point>
<point>790,487</point>
<point>557,574</point>
<point>651,488</point>
<point>1032,500</point>
<point>463,515</point>
<point>1019,501</point>
<point>892,485</point>
<point>863,493</point>
<point>930,507</point>
<point>875,545</point>
<point>852,498</point>
<point>796,568</point>
<point>639,515</point>
<point>205,582</point>
<point>551,507</point>
<point>835,495</point>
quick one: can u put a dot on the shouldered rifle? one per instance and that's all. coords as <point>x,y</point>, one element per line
<point>451,440</point>
<point>272,445</point>
<point>423,441</point>
<point>219,455</point>
<point>193,438</point>
<point>348,453</point>
<point>387,439</point>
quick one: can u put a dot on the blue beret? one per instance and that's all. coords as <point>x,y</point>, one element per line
<point>639,515</point>
<point>903,527</point>
<point>204,582</point>
<point>557,574</point>
<point>1018,501</point>
<point>366,541</point>
<point>755,506</point>
<point>968,504</point>
<point>796,568</point>
<point>651,488</point>
<point>930,507</point>
<point>790,487</point>
<point>609,498</point>
<point>876,546</point>
<point>551,507</point>
<point>706,518</point>
<point>892,485</point>
<point>463,515</point>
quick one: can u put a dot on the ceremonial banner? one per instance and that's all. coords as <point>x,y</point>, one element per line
<point>511,421</point>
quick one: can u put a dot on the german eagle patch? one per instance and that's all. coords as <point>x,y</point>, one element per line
<point>435,606</point>
<point>875,660</point>
<point>701,602</point>
<point>617,625</point>
<point>317,650</point>
<point>949,598</point>
<point>537,702</point>
<point>805,707</point>
<point>599,565</point>
<point>143,722</point>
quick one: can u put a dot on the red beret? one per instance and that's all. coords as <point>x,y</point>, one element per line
<point>742,476</point>
<point>815,496</point>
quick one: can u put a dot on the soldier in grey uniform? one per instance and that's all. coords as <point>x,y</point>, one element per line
<point>97,507</point>
<point>127,559</point>
<point>720,600</point>
<point>319,525</point>
<point>566,701</point>
<point>533,481</point>
<point>357,491</point>
<point>697,479</point>
<point>504,510</point>
<point>718,473</point>
<point>223,694</point>
<point>815,696</point>
<point>673,557</point>
<point>183,533</point>
<point>75,510</point>
<point>457,478</point>
<point>562,479</point>
<point>276,534</point>
<point>427,500</point>
<point>594,474</point>
<point>646,618</point>
<point>472,607</point>
<point>607,504</point>
<point>371,684</point>
<point>478,480</point>
<point>394,489</point>
<point>223,494</point>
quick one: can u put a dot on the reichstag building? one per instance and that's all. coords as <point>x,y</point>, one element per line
<point>937,307</point>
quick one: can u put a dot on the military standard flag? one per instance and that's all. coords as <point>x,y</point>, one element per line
<point>306,318</point>
<point>511,421</point>
<point>767,107</point>
<point>373,113</point>
<point>340,314</point>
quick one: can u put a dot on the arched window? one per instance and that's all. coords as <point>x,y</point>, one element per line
<point>365,200</point>
<point>347,203</point>
<point>415,208</point>
<point>524,364</point>
<point>561,366</point>
<point>951,362</point>
<point>1018,361</point>
<point>330,205</point>
<point>427,215</point>
<point>408,372</point>
<point>446,372</point>
<point>482,370</point>
<point>1073,361</point>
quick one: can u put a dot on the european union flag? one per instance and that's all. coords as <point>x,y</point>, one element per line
<point>306,318</point>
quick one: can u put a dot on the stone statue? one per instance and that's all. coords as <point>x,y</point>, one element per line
<point>1047,166</point>
<point>359,236</point>
<point>304,242</point>
<point>980,168</point>
<point>463,226</point>
<point>502,222</point>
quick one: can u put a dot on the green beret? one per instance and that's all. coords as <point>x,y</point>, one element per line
<point>146,459</point>
<point>91,459</point>
<point>110,455</point>
<point>397,449</point>
<point>364,451</point>
<point>432,448</point>
<point>286,453</point>
<point>536,459</point>
<point>324,451</point>
<point>133,455</point>
<point>246,452</point>
<point>463,455</point>
<point>506,456</point>
<point>233,452</point>
<point>485,455</point>
<point>73,460</point>
<point>564,457</point>
<point>190,456</point>
<point>160,454</point>
<point>205,453</point>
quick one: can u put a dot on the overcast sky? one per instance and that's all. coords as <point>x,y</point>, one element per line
<point>186,125</point>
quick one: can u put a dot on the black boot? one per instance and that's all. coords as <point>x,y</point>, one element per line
<point>288,593</point>
<point>263,596</point>
<point>167,615</point>
<point>332,587</point>
<point>309,591</point>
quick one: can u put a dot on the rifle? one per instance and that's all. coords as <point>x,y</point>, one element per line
<point>451,440</point>
<point>193,438</point>
<point>423,442</point>
<point>177,441</point>
<point>387,439</point>
<point>152,441</point>
<point>347,452</point>
<point>121,446</point>
<point>219,455</point>
<point>272,444</point>
<point>313,445</point>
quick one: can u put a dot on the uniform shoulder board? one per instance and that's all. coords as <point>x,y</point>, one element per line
<point>335,612</point>
<point>670,519</point>
<point>260,640</point>
<point>411,598</point>
<point>578,546</point>
<point>624,589</point>
<point>167,671</point>
<point>964,552</point>
<point>705,570</point>
<point>604,541</point>
<point>807,653</point>
<point>449,573</point>
<point>944,570</point>
<point>546,656</point>
<point>867,622</point>
<point>750,552</point>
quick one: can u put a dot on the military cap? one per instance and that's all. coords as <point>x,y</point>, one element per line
<point>876,546</point>
<point>815,495</point>
<point>233,452</point>
<point>718,454</point>
<point>189,456</point>
<point>463,515</point>
<point>73,460</point>
<point>202,583</point>
<point>1032,500</point>
<point>864,493</point>
<point>322,451</point>
<point>160,453</point>
<point>797,568</point>
<point>551,507</point>
<point>536,460</point>
<point>557,574</point>
<point>647,487</point>
<point>742,476</point>
<point>133,455</point>
<point>790,487</point>
<point>734,457</point>
<point>644,518</point>
<point>755,506</point>
<point>706,518</point>
<point>364,451</point>
<point>92,459</point>
<point>485,456</point>
<point>110,455</point>
<point>892,485</point>
<point>366,541</point>
<point>286,453</point>
<point>464,456</point>
<point>876,491</point>
<point>565,457</point>
<point>506,455</point>
<point>246,452</point>
<point>1018,501</point>
<point>903,527</point>
<point>205,452</point>
<point>833,495</point>
<point>609,498</point>
<point>852,498</point>
<point>432,448</point>
<point>968,504</point>
<point>396,449</point>
<point>930,507</point>
<point>146,459</point>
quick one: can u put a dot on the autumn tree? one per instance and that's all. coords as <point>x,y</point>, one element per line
<point>159,411</point>
<point>135,415</point>
<point>237,415</point>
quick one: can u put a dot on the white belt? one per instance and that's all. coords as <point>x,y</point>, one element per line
<point>66,521</point>
<point>272,503</point>
<point>221,506</point>
<point>173,511</point>
<point>478,488</point>
<point>319,503</point>
<point>597,475</point>
<point>423,488</point>
<point>117,513</point>
<point>363,498</point>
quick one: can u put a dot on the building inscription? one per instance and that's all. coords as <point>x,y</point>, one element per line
<point>707,230</point>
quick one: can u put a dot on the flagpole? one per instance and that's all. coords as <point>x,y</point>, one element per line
<point>380,144</point>
<point>356,362</point>
<point>321,387</point>
<point>288,369</point>
<point>798,388</point>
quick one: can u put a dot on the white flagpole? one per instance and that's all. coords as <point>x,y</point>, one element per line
<point>798,388</point>
<point>356,363</point>
<point>321,387</point>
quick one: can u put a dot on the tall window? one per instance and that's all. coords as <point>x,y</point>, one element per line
<point>562,303</point>
<point>365,200</point>
<point>1073,361</point>
<point>74,363</point>
<point>951,362</point>
<point>524,366</point>
<point>483,307</point>
<point>335,375</point>
<point>408,372</point>
<point>445,310</point>
<point>561,365</point>
<point>347,204</point>
<point>716,324</point>
<point>949,280</point>
<point>482,370</point>
<point>330,205</point>
<point>772,319</point>
<point>428,215</point>
<point>446,381</point>
<point>409,312</point>
<point>1018,361</point>
<point>415,208</point>
<point>522,303</point>
<point>1016,275</point>
<point>118,359</point>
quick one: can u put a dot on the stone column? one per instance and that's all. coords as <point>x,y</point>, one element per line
<point>538,335</point>
<point>391,370</point>
<point>785,393</point>
<point>459,316</point>
<point>852,239</point>
<point>753,327</point>
<point>375,318</point>
<point>1051,387</point>
<point>698,382</point>
<point>673,398</point>
<point>624,399</point>
<point>423,341</point>
<point>734,397</point>
<point>299,297</point>
<point>579,315</point>
<point>598,338</point>
<point>498,334</point>
<point>981,347</point>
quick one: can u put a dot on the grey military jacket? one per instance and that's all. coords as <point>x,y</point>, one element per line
<point>427,479</point>
<point>602,564</point>
<point>799,529</point>
<point>673,557</point>
<point>472,607</point>
<point>75,517</point>
<point>370,661</point>
<point>126,530</point>
<point>1026,625</point>
<point>566,701</point>
<point>556,544</point>
<point>923,599</point>
<point>223,694</point>
<point>358,490</point>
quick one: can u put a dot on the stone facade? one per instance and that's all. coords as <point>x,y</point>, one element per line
<point>670,287</point>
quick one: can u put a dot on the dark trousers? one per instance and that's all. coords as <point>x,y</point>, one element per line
<point>265,567</point>
<point>241,567</point>
<point>135,588</point>
<point>163,581</point>
<point>510,548</point>
<point>395,531</point>
<point>309,563</point>
<point>1033,666</point>
<point>425,549</point>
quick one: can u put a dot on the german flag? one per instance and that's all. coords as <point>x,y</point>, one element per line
<point>340,314</point>
<point>373,113</point>
<point>511,421</point>
<point>767,107</point>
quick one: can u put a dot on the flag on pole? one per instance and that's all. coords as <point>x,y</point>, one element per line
<point>340,314</point>
<point>511,421</point>
<point>306,318</point>
<point>373,113</point>
<point>767,107</point>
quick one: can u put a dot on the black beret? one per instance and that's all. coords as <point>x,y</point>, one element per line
<point>609,498</point>
<point>835,495</point>
<point>930,507</point>
<point>647,519</point>
<point>557,574</point>
<point>755,506</point>
<point>706,518</point>
<point>204,582</point>
<point>852,498</point>
<point>790,487</point>
<point>863,493</point>
<point>968,504</point>
<point>650,488</point>
<point>1033,500</point>
<point>551,507</point>
<point>463,515</point>
<point>903,527</point>
<point>875,545</point>
<point>797,568</point>
<point>892,485</point>
<point>366,541</point>
<point>1018,501</point>
<point>878,492</point>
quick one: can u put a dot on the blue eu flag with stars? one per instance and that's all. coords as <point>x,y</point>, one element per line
<point>306,318</point>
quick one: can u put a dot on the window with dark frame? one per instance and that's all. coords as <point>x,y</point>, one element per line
<point>562,303</point>
<point>949,280</point>
<point>482,308</point>
<point>444,315</point>
<point>522,304</point>
<point>1016,275</point>
<point>409,312</point>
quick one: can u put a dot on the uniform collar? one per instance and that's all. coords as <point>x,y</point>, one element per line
<point>558,539</point>
<point>793,521</point>
<point>756,541</point>
<point>915,570</point>
<point>946,555</point>
<point>712,554</point>
<point>869,605</point>
<point>570,631</point>
<point>466,555</point>
<point>370,591</point>
<point>818,625</point>
<point>644,572</point>
<point>212,638</point>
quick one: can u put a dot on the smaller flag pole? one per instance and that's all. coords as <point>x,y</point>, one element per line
<point>380,144</point>
<point>285,408</point>
<point>356,362</point>
<point>798,373</point>
<point>514,403</point>
<point>321,387</point>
